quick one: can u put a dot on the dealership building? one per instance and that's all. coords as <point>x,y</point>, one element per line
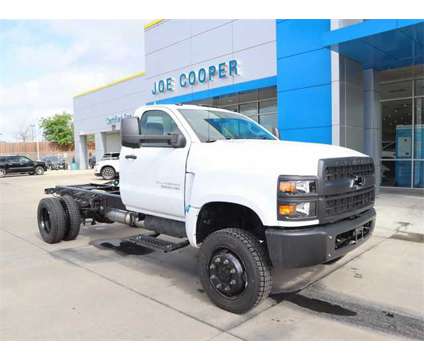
<point>353,83</point>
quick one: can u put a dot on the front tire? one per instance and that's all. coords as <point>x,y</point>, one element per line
<point>234,269</point>
<point>108,173</point>
<point>39,170</point>
<point>2,173</point>
<point>51,220</point>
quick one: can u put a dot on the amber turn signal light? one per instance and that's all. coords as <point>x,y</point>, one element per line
<point>287,186</point>
<point>287,209</point>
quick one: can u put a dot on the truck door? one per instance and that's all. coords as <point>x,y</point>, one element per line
<point>152,178</point>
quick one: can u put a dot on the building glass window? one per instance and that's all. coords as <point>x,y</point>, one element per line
<point>402,111</point>
<point>396,90</point>
<point>249,109</point>
<point>260,105</point>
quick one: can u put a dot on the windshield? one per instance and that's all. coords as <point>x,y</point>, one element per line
<point>212,125</point>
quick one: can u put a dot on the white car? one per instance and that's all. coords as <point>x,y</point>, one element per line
<point>108,166</point>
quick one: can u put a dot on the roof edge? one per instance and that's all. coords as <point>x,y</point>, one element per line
<point>152,23</point>
<point>115,82</point>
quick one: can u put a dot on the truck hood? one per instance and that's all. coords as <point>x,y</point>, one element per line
<point>272,157</point>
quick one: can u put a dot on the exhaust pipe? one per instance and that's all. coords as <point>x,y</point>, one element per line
<point>122,216</point>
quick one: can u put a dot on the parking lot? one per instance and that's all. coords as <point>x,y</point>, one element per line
<point>99,288</point>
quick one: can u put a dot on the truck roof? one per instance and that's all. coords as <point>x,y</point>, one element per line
<point>178,106</point>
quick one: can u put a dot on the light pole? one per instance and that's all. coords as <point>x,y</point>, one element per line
<point>38,145</point>
<point>36,140</point>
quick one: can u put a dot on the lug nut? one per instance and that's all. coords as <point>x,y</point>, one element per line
<point>212,267</point>
<point>227,288</point>
<point>226,262</point>
<point>212,277</point>
<point>218,260</point>
<point>232,271</point>
<point>219,286</point>
<point>232,282</point>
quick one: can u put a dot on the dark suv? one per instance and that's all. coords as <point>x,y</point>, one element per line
<point>18,164</point>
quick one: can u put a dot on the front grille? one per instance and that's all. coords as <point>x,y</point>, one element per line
<point>348,170</point>
<point>340,204</point>
<point>346,187</point>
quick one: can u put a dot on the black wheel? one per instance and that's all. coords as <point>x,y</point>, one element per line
<point>51,220</point>
<point>234,270</point>
<point>39,170</point>
<point>108,173</point>
<point>73,217</point>
<point>2,173</point>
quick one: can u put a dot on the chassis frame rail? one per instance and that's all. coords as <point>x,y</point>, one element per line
<point>93,199</point>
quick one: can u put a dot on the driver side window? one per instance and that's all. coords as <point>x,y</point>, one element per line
<point>24,160</point>
<point>157,122</point>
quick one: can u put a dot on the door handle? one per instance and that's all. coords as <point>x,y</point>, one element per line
<point>130,157</point>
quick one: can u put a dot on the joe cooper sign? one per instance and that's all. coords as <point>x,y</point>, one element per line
<point>200,76</point>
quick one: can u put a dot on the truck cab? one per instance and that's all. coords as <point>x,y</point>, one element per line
<point>247,200</point>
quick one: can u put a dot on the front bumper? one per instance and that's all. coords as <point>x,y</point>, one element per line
<point>318,244</point>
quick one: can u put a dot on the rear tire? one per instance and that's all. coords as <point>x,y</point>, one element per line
<point>73,217</point>
<point>39,170</point>
<point>108,173</point>
<point>51,220</point>
<point>234,269</point>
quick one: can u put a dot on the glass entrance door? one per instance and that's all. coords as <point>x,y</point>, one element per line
<point>402,140</point>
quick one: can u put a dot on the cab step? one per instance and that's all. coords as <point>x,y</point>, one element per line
<point>154,243</point>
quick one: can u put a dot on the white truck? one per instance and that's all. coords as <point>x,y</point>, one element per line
<point>218,181</point>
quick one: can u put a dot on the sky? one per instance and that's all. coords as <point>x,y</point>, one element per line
<point>43,64</point>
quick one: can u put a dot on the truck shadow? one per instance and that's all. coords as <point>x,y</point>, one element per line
<point>313,304</point>
<point>178,266</point>
<point>121,247</point>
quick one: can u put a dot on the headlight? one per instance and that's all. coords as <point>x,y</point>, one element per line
<point>297,186</point>
<point>297,198</point>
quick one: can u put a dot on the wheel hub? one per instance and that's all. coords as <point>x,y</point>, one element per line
<point>226,273</point>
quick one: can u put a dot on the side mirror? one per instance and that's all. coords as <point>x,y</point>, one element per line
<point>170,140</point>
<point>130,136</point>
<point>177,141</point>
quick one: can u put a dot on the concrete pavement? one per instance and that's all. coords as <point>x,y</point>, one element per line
<point>97,288</point>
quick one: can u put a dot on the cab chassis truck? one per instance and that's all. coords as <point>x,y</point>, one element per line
<point>218,181</point>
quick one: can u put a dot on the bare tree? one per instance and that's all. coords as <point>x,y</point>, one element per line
<point>24,133</point>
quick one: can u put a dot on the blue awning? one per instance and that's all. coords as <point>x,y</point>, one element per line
<point>381,44</point>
